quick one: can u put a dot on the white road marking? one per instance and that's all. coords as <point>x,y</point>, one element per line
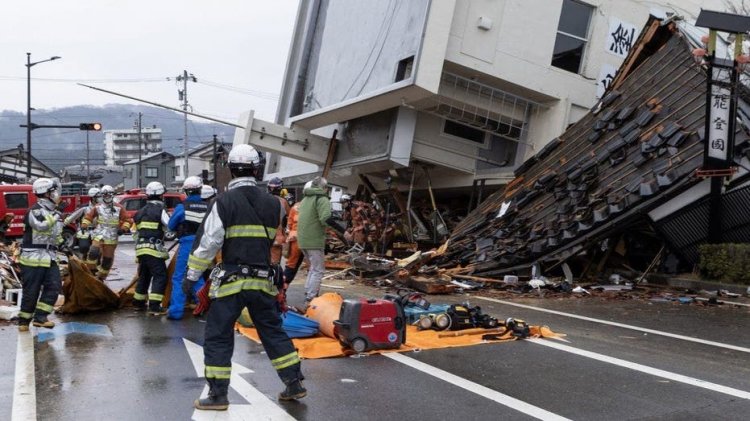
<point>645,369</point>
<point>511,402</point>
<point>24,390</point>
<point>622,325</point>
<point>260,408</point>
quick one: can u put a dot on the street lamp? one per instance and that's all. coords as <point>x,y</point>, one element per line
<point>29,127</point>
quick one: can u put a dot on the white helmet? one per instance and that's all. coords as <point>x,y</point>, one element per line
<point>245,158</point>
<point>345,198</point>
<point>43,186</point>
<point>308,185</point>
<point>154,188</point>
<point>192,183</point>
<point>94,191</point>
<point>207,192</point>
<point>108,193</point>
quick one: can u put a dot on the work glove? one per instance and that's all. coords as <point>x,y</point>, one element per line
<point>193,275</point>
<point>203,301</point>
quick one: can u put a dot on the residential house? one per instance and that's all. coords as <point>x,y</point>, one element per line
<point>157,166</point>
<point>13,166</point>
<point>201,159</point>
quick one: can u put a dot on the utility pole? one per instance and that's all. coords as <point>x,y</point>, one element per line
<point>216,184</point>
<point>140,124</point>
<point>29,126</point>
<point>182,95</point>
<point>88,162</point>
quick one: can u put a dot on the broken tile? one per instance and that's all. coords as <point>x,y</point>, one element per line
<point>644,117</point>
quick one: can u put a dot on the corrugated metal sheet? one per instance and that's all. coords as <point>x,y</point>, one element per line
<point>687,229</point>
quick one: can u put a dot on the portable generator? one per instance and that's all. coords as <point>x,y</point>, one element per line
<point>368,324</point>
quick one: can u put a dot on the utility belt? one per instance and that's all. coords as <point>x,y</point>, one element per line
<point>152,243</point>
<point>49,247</point>
<point>226,273</point>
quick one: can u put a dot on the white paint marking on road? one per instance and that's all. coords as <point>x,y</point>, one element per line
<point>622,325</point>
<point>24,390</point>
<point>645,369</point>
<point>510,402</point>
<point>260,408</point>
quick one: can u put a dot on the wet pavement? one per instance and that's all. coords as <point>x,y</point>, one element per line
<point>621,360</point>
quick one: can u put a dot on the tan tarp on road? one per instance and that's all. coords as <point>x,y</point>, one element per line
<point>84,292</point>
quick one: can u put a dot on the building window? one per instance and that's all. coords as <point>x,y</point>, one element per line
<point>404,69</point>
<point>152,172</point>
<point>572,35</point>
<point>176,170</point>
<point>464,132</point>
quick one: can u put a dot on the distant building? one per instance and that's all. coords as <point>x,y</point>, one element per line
<point>199,160</point>
<point>13,166</point>
<point>157,166</point>
<point>121,145</point>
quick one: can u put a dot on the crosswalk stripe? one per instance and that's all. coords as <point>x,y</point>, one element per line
<point>24,389</point>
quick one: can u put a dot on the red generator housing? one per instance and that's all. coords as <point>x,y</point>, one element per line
<point>365,325</point>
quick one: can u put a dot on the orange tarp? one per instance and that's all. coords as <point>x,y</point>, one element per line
<point>324,347</point>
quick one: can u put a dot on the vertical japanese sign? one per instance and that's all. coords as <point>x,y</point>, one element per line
<point>607,75</point>
<point>621,37</point>
<point>720,114</point>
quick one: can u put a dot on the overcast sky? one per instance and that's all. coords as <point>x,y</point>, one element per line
<point>241,45</point>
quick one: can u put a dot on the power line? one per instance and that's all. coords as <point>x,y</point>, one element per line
<point>66,80</point>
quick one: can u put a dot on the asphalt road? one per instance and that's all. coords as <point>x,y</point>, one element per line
<point>621,360</point>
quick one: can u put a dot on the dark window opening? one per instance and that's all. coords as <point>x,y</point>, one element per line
<point>16,200</point>
<point>404,69</point>
<point>572,35</point>
<point>464,132</point>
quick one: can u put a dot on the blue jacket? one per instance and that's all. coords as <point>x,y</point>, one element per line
<point>178,217</point>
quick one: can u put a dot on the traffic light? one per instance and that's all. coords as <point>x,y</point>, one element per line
<point>90,126</point>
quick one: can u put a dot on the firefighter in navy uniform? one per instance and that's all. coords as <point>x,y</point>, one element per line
<point>83,236</point>
<point>42,234</point>
<point>242,223</point>
<point>185,220</point>
<point>150,223</point>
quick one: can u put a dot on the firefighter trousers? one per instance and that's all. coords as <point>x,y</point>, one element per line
<point>218,345</point>
<point>180,295</point>
<point>103,255</point>
<point>41,286</point>
<point>152,271</point>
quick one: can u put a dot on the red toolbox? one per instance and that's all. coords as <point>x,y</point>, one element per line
<point>364,325</point>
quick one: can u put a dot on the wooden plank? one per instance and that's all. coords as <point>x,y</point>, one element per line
<point>429,286</point>
<point>331,154</point>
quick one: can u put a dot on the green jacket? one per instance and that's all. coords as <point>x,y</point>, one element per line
<point>314,211</point>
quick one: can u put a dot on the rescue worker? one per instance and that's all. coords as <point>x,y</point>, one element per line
<point>314,217</point>
<point>150,223</point>
<point>208,194</point>
<point>294,259</point>
<point>275,186</point>
<point>185,220</point>
<point>111,221</point>
<point>242,224</point>
<point>42,234</point>
<point>83,236</point>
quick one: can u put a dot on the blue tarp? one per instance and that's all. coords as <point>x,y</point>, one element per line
<point>299,326</point>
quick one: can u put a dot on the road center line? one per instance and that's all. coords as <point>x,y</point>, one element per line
<point>24,389</point>
<point>645,369</point>
<point>622,325</point>
<point>478,389</point>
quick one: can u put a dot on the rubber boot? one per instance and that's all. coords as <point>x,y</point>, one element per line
<point>23,325</point>
<point>155,309</point>
<point>212,403</point>
<point>139,305</point>
<point>42,321</point>
<point>294,390</point>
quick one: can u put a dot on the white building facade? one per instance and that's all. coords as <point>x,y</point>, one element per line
<point>467,88</point>
<point>121,145</point>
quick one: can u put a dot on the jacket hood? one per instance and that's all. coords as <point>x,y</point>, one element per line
<point>314,191</point>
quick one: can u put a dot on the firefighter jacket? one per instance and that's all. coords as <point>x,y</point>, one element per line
<point>291,223</point>
<point>150,223</point>
<point>76,216</point>
<point>187,217</point>
<point>42,233</point>
<point>242,224</point>
<point>314,212</point>
<point>111,218</point>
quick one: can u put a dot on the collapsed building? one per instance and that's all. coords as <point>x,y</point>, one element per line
<point>625,181</point>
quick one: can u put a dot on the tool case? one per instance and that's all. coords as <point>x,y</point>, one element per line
<point>369,324</point>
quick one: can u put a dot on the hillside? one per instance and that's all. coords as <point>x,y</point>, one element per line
<point>60,147</point>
